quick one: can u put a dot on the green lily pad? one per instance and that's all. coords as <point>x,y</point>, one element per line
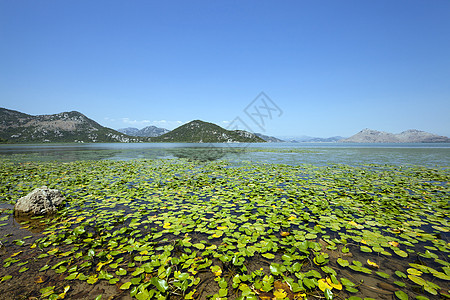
<point>268,255</point>
<point>343,262</point>
<point>401,295</point>
<point>199,246</point>
<point>125,286</point>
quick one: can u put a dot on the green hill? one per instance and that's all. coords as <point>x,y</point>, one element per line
<point>17,127</point>
<point>203,132</point>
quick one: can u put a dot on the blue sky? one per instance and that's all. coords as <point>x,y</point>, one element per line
<point>332,67</point>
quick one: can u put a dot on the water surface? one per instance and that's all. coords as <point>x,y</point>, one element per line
<point>437,154</point>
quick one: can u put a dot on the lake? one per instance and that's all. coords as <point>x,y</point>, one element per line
<point>228,221</point>
<point>285,153</point>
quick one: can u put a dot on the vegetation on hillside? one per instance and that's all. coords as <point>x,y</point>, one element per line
<point>203,132</point>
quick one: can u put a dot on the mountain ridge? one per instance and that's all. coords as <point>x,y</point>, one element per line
<point>72,126</point>
<point>149,131</point>
<point>311,139</point>
<point>198,131</point>
<point>408,136</point>
<point>270,139</point>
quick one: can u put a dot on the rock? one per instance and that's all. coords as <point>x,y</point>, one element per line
<point>40,201</point>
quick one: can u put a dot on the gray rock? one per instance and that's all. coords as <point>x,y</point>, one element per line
<point>40,201</point>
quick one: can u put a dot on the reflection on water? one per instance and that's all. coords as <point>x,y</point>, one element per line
<point>285,153</point>
<point>210,153</point>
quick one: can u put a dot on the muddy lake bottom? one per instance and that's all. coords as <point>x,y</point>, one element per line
<point>188,229</point>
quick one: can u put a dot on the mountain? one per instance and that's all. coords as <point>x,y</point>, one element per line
<point>17,127</point>
<point>311,139</point>
<point>149,131</point>
<point>129,131</point>
<point>203,132</point>
<point>270,139</point>
<point>408,136</point>
<point>417,136</point>
<point>152,131</point>
<point>325,140</point>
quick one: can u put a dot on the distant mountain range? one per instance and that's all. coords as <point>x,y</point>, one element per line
<point>149,131</point>
<point>17,127</point>
<point>270,139</point>
<point>325,140</point>
<point>311,139</point>
<point>153,131</point>
<point>408,136</point>
<point>203,132</point>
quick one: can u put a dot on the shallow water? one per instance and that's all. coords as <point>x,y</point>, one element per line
<point>119,191</point>
<point>116,203</point>
<point>285,153</point>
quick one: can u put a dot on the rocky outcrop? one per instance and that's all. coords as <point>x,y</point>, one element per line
<point>40,201</point>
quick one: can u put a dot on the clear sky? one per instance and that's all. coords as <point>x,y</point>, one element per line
<point>331,67</point>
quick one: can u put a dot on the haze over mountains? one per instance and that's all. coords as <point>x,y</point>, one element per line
<point>18,127</point>
<point>311,139</point>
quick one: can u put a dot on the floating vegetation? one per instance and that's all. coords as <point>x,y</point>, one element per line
<point>159,229</point>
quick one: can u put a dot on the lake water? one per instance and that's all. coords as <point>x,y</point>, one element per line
<point>105,195</point>
<point>285,153</point>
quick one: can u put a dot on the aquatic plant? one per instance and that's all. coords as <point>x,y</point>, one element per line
<point>194,230</point>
